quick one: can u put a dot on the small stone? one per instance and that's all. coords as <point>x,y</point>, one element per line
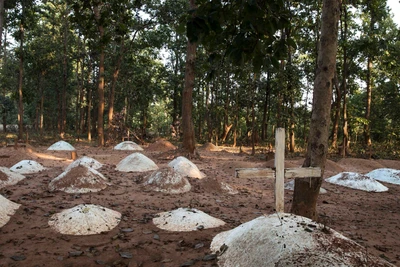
<point>199,245</point>
<point>75,253</point>
<point>126,230</point>
<point>156,237</point>
<point>200,227</point>
<point>18,257</point>
<point>210,257</point>
<point>99,262</point>
<point>188,263</point>
<point>126,255</point>
<point>147,232</point>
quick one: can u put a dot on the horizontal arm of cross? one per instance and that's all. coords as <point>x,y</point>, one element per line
<point>270,172</point>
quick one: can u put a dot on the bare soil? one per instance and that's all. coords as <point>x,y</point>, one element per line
<point>371,219</point>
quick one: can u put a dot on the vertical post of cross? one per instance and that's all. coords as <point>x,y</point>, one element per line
<point>279,169</point>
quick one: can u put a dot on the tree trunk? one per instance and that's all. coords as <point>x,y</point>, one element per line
<point>20,82</point>
<point>367,135</point>
<point>100,87</point>
<point>264,127</point>
<point>113,84</point>
<point>65,78</point>
<point>337,106</point>
<point>345,144</point>
<point>187,104</point>
<point>307,189</point>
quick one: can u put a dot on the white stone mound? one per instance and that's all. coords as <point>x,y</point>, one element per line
<point>128,145</point>
<point>167,180</point>
<point>79,179</point>
<point>387,175</point>
<point>290,186</point>
<point>85,161</point>
<point>185,220</point>
<point>186,168</point>
<point>288,240</point>
<point>136,162</point>
<point>27,167</point>
<point>61,146</point>
<point>7,209</point>
<point>357,181</point>
<point>85,219</point>
<point>8,177</point>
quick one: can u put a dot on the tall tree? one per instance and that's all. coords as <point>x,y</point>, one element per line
<point>307,189</point>
<point>189,143</point>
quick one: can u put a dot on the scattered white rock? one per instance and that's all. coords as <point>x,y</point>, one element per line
<point>136,162</point>
<point>27,167</point>
<point>85,161</point>
<point>185,220</point>
<point>228,189</point>
<point>7,209</point>
<point>357,181</point>
<point>387,175</point>
<point>8,177</point>
<point>186,168</point>
<point>85,219</point>
<point>61,146</point>
<point>128,145</point>
<point>79,179</point>
<point>288,240</point>
<point>167,180</point>
<point>290,186</point>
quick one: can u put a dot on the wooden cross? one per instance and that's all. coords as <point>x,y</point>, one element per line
<point>279,173</point>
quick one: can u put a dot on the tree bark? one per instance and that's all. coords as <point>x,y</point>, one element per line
<point>100,87</point>
<point>307,189</point>
<point>113,84</point>
<point>65,81</point>
<point>187,105</point>
<point>20,83</point>
<point>367,135</point>
<point>337,106</point>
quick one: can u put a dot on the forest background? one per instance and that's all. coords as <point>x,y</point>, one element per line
<point>94,69</point>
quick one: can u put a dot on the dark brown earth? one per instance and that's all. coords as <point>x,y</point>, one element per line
<point>371,219</point>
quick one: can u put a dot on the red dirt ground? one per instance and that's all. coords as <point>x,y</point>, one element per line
<point>371,219</point>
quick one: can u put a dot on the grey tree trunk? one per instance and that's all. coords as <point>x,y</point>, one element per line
<point>307,189</point>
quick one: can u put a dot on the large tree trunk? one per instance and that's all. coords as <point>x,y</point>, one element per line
<point>264,127</point>
<point>100,87</point>
<point>113,84</point>
<point>307,189</point>
<point>337,106</point>
<point>64,87</point>
<point>345,144</point>
<point>367,135</point>
<point>20,82</point>
<point>187,105</point>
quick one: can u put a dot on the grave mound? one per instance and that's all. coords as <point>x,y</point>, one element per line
<point>27,167</point>
<point>288,240</point>
<point>185,167</point>
<point>61,146</point>
<point>387,175</point>
<point>136,162</point>
<point>357,181</point>
<point>8,177</point>
<point>128,145</point>
<point>7,209</point>
<point>79,179</point>
<point>167,180</point>
<point>161,146</point>
<point>85,219</point>
<point>85,161</point>
<point>186,220</point>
